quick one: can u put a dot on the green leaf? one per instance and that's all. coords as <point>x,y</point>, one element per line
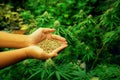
<point>34,74</point>
<point>57,75</point>
<point>43,74</point>
<point>51,74</point>
<point>64,75</point>
<point>108,37</point>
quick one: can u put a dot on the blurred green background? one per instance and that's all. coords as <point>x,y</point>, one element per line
<point>91,28</point>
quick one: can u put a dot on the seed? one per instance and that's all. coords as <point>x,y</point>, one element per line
<point>49,45</point>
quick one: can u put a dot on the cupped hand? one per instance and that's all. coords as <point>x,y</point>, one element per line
<point>39,35</point>
<point>45,33</point>
<point>38,53</point>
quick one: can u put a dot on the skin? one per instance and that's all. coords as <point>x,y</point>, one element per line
<point>27,46</point>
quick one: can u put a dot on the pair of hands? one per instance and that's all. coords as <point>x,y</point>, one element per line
<point>33,51</point>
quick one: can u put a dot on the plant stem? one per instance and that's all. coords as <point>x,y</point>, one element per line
<point>98,53</point>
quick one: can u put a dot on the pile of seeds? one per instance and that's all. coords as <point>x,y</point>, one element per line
<point>49,45</point>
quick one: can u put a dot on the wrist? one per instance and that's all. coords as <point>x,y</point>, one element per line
<point>35,52</point>
<point>24,52</point>
<point>29,41</point>
<point>27,51</point>
<point>30,51</point>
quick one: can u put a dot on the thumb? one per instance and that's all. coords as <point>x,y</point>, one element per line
<point>48,30</point>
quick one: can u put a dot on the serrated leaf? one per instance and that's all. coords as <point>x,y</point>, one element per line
<point>108,37</point>
<point>34,74</point>
<point>64,75</point>
<point>51,74</point>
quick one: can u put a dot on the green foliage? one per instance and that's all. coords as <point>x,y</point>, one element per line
<point>10,20</point>
<point>103,71</point>
<point>91,28</point>
<point>8,16</point>
<point>27,16</point>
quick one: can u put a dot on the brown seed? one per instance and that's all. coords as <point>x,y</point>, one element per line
<point>49,45</point>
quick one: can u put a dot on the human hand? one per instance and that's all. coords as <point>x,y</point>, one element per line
<point>39,35</point>
<point>45,33</point>
<point>38,53</point>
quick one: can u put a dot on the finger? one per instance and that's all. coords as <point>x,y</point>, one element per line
<point>47,30</point>
<point>60,48</point>
<point>58,38</point>
<point>51,55</point>
<point>64,42</point>
<point>55,52</point>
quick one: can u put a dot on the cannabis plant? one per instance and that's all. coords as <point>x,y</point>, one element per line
<point>91,28</point>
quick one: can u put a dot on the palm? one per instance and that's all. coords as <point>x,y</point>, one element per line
<point>41,34</point>
<point>38,53</point>
<point>45,33</point>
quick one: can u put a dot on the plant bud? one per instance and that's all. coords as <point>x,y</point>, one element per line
<point>26,62</point>
<point>49,62</point>
<point>56,23</point>
<point>83,65</point>
<point>87,48</point>
<point>90,16</point>
<point>81,11</point>
<point>45,13</point>
<point>94,78</point>
<point>81,28</point>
